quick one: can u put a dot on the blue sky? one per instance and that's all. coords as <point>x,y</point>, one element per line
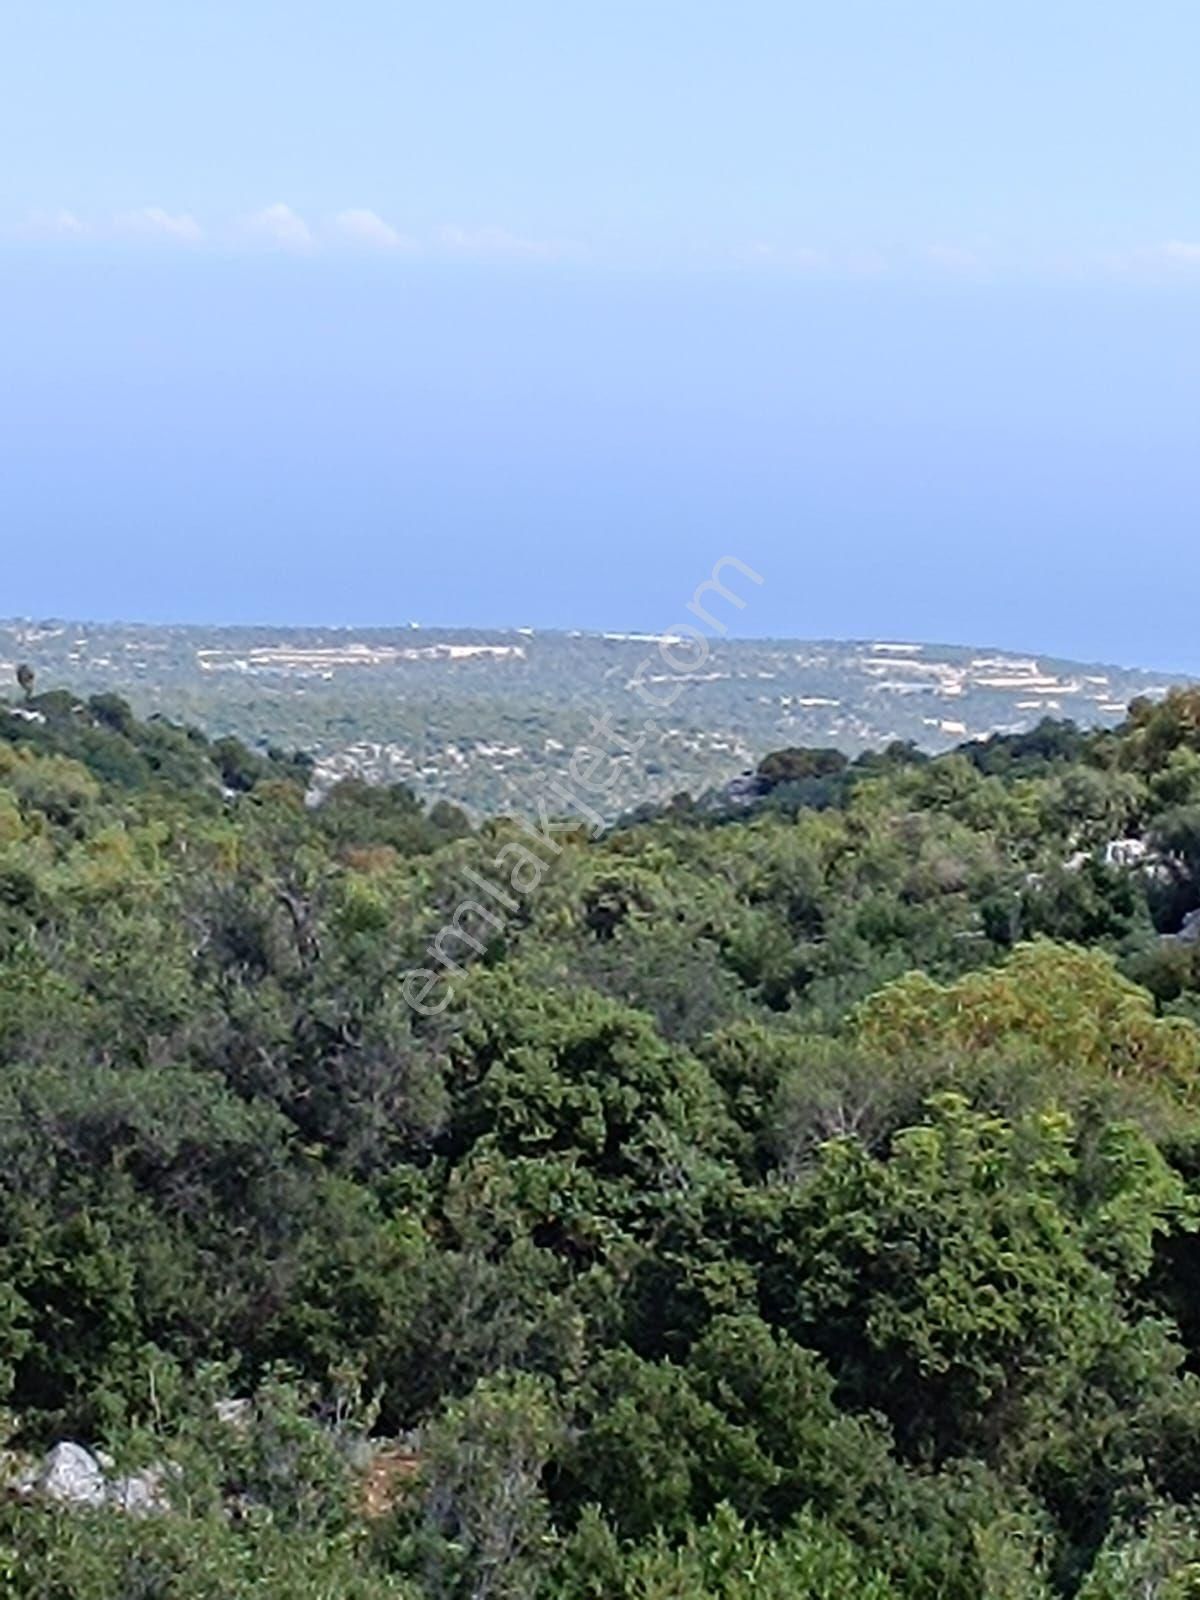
<point>526,313</point>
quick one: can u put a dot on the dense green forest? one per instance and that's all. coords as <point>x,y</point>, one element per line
<point>794,1199</point>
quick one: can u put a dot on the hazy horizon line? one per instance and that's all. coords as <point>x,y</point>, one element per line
<point>629,633</point>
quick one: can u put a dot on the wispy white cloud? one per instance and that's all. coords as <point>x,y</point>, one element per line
<point>57,223</point>
<point>279,226</point>
<point>1159,262</point>
<point>361,226</point>
<point>803,259</point>
<point>790,257</point>
<point>867,264</point>
<point>953,257</point>
<point>1181,252</point>
<point>154,221</point>
<point>500,244</point>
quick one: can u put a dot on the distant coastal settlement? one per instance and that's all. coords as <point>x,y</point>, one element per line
<point>592,768</point>
<point>484,719</point>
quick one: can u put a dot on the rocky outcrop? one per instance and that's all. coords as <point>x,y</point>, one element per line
<point>70,1475</point>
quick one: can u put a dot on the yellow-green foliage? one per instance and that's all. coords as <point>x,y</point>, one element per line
<point>11,826</point>
<point>1055,1003</point>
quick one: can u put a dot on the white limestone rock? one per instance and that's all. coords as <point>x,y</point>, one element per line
<point>72,1476</point>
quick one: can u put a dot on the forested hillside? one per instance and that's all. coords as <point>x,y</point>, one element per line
<point>795,1199</point>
